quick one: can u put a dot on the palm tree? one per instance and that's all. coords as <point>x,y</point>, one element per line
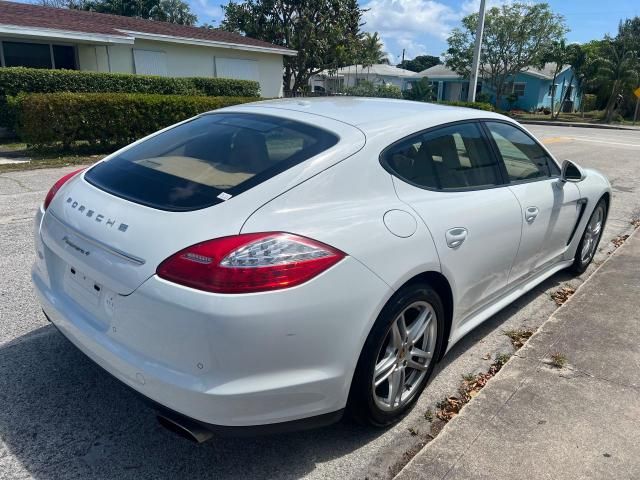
<point>372,52</point>
<point>617,69</point>
<point>373,49</point>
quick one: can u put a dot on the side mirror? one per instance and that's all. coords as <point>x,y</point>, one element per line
<point>571,172</point>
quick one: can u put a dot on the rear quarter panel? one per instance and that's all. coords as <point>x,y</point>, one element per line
<point>344,207</point>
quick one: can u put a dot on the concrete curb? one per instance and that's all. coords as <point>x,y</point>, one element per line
<point>405,473</point>
<point>576,124</point>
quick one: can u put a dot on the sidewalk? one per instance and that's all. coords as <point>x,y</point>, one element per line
<point>560,123</point>
<point>536,421</point>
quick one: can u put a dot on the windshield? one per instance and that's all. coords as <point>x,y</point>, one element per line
<point>208,160</point>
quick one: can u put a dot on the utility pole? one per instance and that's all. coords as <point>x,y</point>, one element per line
<point>473,80</point>
<point>403,56</point>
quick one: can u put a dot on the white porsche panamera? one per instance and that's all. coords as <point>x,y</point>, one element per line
<point>269,265</point>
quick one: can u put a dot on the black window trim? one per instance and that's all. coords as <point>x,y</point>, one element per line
<point>502,178</point>
<point>498,155</point>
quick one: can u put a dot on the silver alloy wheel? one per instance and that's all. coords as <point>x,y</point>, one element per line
<point>405,356</point>
<point>592,235</point>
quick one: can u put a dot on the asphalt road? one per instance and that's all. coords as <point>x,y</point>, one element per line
<point>63,417</point>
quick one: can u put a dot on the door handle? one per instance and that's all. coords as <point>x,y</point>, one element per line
<point>530,214</point>
<point>455,237</point>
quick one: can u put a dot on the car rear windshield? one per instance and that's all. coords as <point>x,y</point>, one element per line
<point>208,160</point>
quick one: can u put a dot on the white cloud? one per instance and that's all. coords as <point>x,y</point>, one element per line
<point>416,24</point>
<point>409,24</point>
<point>416,16</point>
<point>210,8</point>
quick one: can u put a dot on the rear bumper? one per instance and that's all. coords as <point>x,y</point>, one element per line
<point>317,421</point>
<point>226,360</point>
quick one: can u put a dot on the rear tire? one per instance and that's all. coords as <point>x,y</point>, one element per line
<point>590,238</point>
<point>398,356</point>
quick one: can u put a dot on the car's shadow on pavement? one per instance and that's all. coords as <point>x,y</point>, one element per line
<point>62,416</point>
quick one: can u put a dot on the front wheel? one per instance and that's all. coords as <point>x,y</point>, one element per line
<point>398,356</point>
<point>590,238</point>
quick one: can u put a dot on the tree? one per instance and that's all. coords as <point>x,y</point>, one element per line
<point>577,58</point>
<point>420,63</point>
<point>372,52</point>
<point>516,36</point>
<point>557,53</point>
<point>172,11</point>
<point>617,70</point>
<point>326,33</point>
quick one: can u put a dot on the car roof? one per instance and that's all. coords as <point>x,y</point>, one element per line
<point>371,114</point>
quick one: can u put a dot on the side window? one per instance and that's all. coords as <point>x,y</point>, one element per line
<point>448,158</point>
<point>523,158</point>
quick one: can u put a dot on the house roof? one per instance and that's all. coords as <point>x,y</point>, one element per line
<point>545,72</point>
<point>376,69</point>
<point>441,71</point>
<point>34,20</point>
<point>437,71</point>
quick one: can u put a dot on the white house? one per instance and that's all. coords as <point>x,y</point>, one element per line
<point>378,74</point>
<point>44,37</point>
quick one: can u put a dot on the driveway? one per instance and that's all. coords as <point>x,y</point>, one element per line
<point>63,417</point>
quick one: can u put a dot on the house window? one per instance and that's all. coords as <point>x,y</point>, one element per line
<point>552,89</point>
<point>148,62</point>
<point>237,68</point>
<point>64,56</point>
<point>38,55</point>
<point>34,55</point>
<point>569,91</point>
<point>518,88</point>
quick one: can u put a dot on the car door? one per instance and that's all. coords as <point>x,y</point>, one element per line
<point>550,208</point>
<point>452,180</point>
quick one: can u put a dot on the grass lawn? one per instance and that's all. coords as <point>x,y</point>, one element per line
<point>44,158</point>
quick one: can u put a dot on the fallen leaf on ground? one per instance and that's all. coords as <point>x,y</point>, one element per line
<point>619,240</point>
<point>562,295</point>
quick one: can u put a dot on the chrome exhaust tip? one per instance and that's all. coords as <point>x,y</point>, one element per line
<point>185,427</point>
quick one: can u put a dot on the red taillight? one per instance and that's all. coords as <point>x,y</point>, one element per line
<point>57,186</point>
<point>253,262</point>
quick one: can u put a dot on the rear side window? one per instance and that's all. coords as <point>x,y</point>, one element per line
<point>208,160</point>
<point>523,158</point>
<point>445,159</point>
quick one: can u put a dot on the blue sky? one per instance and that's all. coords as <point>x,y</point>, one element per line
<point>422,26</point>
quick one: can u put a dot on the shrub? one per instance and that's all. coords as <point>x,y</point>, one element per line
<point>15,80</point>
<point>420,91</point>
<point>477,105</point>
<point>368,89</point>
<point>483,97</point>
<point>589,102</point>
<point>107,118</point>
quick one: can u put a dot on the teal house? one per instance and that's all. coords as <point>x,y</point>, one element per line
<point>533,88</point>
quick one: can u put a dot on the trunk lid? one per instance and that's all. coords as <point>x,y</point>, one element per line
<point>118,243</point>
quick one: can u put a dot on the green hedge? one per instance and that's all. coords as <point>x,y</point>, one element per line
<point>368,89</point>
<point>106,118</point>
<point>15,80</point>
<point>477,105</point>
